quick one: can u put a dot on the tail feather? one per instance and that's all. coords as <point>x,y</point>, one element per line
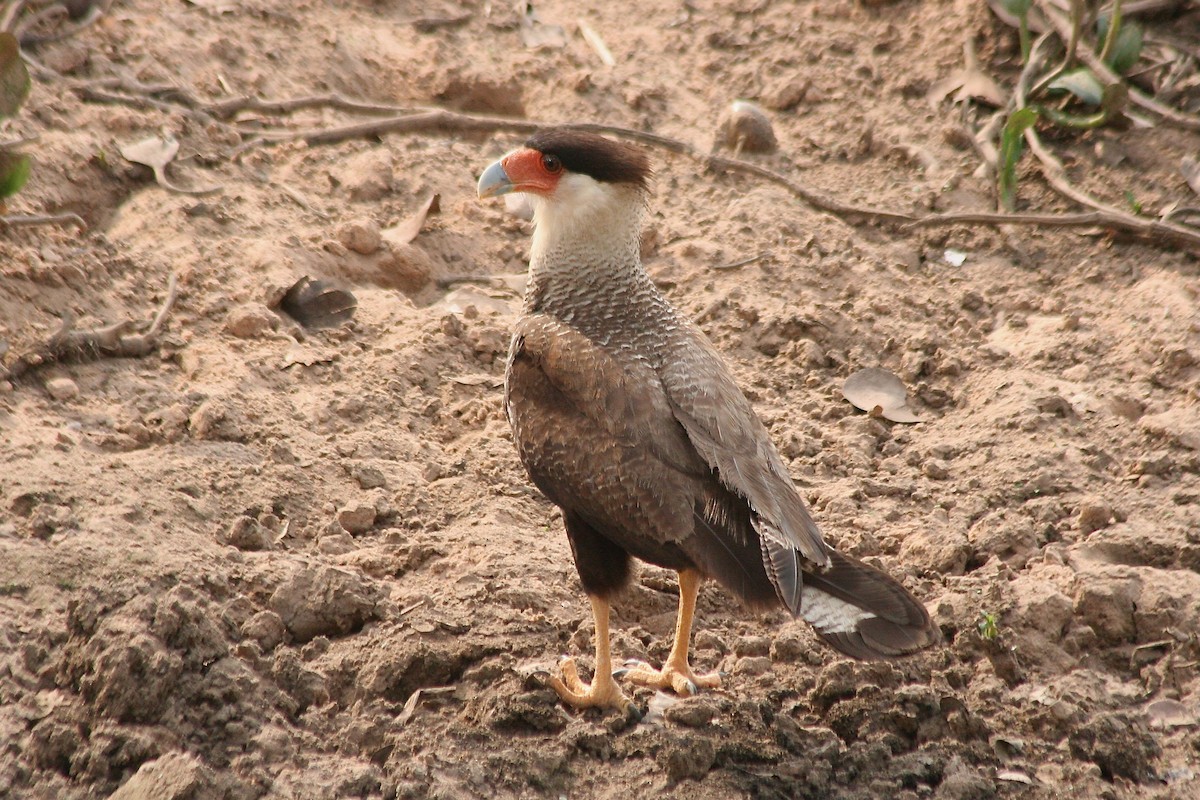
<point>863,612</point>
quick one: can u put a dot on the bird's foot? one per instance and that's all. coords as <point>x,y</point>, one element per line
<point>602,692</point>
<point>679,679</point>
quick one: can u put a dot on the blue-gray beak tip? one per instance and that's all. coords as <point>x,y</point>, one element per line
<point>494,181</point>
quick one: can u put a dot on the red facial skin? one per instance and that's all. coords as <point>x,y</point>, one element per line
<point>532,171</point>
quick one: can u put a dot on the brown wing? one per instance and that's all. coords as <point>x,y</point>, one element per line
<point>723,428</point>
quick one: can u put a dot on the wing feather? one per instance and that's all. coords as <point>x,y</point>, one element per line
<point>723,428</point>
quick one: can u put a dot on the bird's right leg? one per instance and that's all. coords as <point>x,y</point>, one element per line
<point>603,569</point>
<point>603,692</point>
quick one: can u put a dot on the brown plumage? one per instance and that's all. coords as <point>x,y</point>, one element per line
<point>627,418</point>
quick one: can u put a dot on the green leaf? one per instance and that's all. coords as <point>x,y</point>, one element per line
<point>1011,145</point>
<point>14,77</point>
<point>1018,8</point>
<point>1127,48</point>
<point>14,171</point>
<point>1081,83</point>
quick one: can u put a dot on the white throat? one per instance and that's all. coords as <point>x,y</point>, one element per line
<point>587,224</point>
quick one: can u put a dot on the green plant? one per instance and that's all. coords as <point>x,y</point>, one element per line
<point>1012,143</point>
<point>14,88</point>
<point>988,625</point>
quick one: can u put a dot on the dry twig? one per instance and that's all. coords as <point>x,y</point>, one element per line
<point>110,341</point>
<point>19,221</point>
<point>442,120</point>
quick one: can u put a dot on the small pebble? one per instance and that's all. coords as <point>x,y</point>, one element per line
<point>936,469</point>
<point>250,320</point>
<point>368,477</point>
<point>357,518</point>
<point>247,534</point>
<point>336,544</point>
<point>752,646</point>
<point>788,646</point>
<point>62,388</point>
<point>707,640</point>
<point>692,712</point>
<point>266,628</point>
<point>1094,515</point>
<point>361,235</point>
<point>787,94</point>
<point>753,665</point>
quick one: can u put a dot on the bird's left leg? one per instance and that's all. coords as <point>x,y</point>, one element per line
<point>676,674</point>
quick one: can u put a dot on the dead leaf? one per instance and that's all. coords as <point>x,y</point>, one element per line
<point>462,298</point>
<point>968,83</point>
<point>410,706</point>
<point>316,304</point>
<point>880,393</point>
<point>482,379</point>
<point>1013,776</point>
<point>596,42</point>
<point>306,357</point>
<point>156,153</point>
<point>407,230</point>
<point>1189,167</point>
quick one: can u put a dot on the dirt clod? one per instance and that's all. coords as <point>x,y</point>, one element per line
<point>324,601</point>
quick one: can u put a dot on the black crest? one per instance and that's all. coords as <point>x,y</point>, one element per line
<point>594,155</point>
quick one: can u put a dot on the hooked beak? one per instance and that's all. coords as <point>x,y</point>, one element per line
<point>495,181</point>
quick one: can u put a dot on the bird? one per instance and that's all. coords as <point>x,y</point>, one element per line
<point>627,418</point>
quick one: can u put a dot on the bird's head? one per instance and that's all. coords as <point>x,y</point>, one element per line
<point>576,180</point>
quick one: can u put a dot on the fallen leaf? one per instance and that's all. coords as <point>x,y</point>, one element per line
<point>457,301</point>
<point>156,153</point>
<point>596,42</point>
<point>968,83</point>
<point>410,706</point>
<point>407,230</point>
<point>880,393</point>
<point>1013,776</point>
<point>482,379</point>
<point>306,357</point>
<point>316,304</point>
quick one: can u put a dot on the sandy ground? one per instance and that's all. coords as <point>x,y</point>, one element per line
<point>264,562</point>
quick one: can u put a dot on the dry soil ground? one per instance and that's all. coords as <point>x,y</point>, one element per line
<point>269,563</point>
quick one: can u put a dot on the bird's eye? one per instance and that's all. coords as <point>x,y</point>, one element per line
<point>551,163</point>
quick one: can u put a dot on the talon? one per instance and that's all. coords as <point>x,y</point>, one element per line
<point>620,673</point>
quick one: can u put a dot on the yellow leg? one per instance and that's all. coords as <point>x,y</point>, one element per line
<point>677,674</point>
<point>603,692</point>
